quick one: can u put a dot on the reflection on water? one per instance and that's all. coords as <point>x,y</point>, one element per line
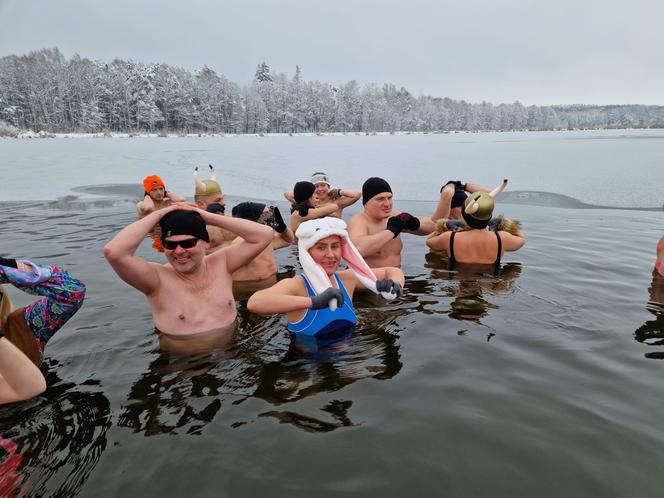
<point>470,286</point>
<point>59,439</point>
<point>651,332</point>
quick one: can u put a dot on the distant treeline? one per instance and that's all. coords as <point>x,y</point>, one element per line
<point>45,91</point>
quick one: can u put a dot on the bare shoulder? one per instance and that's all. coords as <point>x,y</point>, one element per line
<point>358,224</point>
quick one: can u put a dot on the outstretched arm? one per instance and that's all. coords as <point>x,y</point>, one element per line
<point>120,252</point>
<point>282,297</point>
<point>20,379</point>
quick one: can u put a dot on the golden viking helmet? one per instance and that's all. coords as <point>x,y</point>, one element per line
<point>478,208</point>
<point>207,187</point>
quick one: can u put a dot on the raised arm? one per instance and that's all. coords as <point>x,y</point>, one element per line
<point>255,238</point>
<point>20,379</point>
<point>145,207</point>
<point>120,253</point>
<point>290,197</point>
<point>345,198</point>
<point>283,239</point>
<point>444,203</point>
<point>175,197</point>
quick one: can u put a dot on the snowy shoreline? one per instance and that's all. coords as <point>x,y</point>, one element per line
<point>29,134</point>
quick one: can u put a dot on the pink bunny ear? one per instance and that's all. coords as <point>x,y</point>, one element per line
<point>355,261</point>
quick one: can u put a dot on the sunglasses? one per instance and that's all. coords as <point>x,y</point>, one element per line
<point>184,244</point>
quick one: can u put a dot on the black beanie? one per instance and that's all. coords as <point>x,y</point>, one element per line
<point>303,190</point>
<point>374,186</point>
<point>248,210</point>
<point>182,222</point>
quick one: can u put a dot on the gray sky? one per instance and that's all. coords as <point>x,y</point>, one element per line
<point>537,52</point>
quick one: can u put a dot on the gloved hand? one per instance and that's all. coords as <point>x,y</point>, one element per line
<point>389,286</point>
<point>11,263</point>
<point>458,185</point>
<point>280,226</point>
<point>302,209</point>
<point>323,300</point>
<point>409,222</point>
<point>216,208</point>
<point>395,225</point>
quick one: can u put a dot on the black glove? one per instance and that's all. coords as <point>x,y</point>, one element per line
<point>389,286</point>
<point>8,262</point>
<point>302,208</point>
<point>280,226</point>
<point>395,225</point>
<point>409,222</point>
<point>323,300</point>
<point>458,185</point>
<point>216,208</point>
<point>2,334</point>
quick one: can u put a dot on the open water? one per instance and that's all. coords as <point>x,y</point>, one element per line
<point>543,380</point>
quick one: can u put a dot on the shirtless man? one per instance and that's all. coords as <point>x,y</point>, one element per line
<point>452,197</point>
<point>156,196</point>
<point>340,197</point>
<point>208,196</point>
<point>191,293</point>
<point>260,272</point>
<point>376,231</point>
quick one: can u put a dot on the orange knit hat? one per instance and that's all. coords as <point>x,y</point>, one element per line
<point>152,182</point>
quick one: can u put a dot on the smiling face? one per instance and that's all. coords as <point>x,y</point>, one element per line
<point>322,190</point>
<point>185,260</point>
<point>327,253</point>
<point>380,206</point>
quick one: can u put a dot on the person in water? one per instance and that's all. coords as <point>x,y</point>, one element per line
<point>155,197</point>
<point>261,271</point>
<point>29,328</point>
<point>474,243</point>
<point>209,196</point>
<point>191,293</point>
<point>20,379</point>
<point>341,197</point>
<point>304,208</point>
<point>376,231</point>
<point>452,197</point>
<point>659,263</point>
<point>320,301</point>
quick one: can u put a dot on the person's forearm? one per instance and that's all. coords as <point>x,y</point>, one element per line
<point>473,187</point>
<point>371,244</point>
<point>130,237</point>
<point>444,204</point>
<point>250,231</point>
<point>426,226</point>
<point>269,303</point>
<point>395,274</point>
<point>22,377</point>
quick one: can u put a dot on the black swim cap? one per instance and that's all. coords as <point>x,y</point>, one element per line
<point>182,222</point>
<point>303,190</point>
<point>374,186</point>
<point>248,210</point>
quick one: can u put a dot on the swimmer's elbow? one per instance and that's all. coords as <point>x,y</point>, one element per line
<point>254,304</point>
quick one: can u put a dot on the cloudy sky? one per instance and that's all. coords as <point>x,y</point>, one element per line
<point>537,52</point>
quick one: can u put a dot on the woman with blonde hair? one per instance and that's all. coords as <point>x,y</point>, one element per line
<point>30,327</point>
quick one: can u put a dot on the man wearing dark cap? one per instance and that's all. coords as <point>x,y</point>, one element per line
<point>452,196</point>
<point>260,272</point>
<point>376,231</point>
<point>192,292</point>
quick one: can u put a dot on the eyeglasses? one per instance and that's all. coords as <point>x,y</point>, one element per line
<point>184,244</point>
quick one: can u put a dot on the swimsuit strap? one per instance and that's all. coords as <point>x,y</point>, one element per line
<point>500,249</point>
<point>452,260</point>
<point>310,290</point>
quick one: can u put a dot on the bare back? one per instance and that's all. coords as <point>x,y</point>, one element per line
<point>261,267</point>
